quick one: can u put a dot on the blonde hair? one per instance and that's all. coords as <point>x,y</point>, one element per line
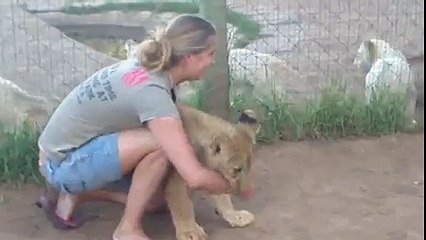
<point>185,34</point>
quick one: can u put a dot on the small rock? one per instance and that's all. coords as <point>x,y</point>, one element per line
<point>382,210</point>
<point>397,235</point>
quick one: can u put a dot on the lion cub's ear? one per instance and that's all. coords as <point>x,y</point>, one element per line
<point>249,119</point>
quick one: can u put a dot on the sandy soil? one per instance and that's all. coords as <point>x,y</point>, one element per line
<point>370,189</point>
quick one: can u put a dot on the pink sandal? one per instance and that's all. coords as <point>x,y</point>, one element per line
<point>48,206</point>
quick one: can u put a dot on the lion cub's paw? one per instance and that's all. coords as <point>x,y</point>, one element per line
<point>241,218</point>
<point>197,233</point>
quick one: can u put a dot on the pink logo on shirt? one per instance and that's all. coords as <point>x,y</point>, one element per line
<point>135,77</point>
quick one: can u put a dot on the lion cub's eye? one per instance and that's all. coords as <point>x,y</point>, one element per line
<point>217,149</point>
<point>237,170</point>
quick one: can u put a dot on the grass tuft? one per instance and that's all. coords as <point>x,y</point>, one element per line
<point>19,155</point>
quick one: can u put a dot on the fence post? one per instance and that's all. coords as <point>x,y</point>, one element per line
<point>216,80</point>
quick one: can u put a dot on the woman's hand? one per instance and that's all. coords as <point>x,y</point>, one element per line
<point>212,182</point>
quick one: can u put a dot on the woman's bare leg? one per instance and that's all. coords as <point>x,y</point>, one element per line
<point>147,178</point>
<point>150,167</point>
<point>138,151</point>
<point>156,204</point>
<point>67,203</point>
<point>102,195</point>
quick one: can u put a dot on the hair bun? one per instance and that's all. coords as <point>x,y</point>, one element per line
<point>156,53</point>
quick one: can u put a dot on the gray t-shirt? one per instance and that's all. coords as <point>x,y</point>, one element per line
<point>117,97</point>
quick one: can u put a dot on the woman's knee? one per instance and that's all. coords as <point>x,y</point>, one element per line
<point>158,158</point>
<point>135,144</point>
<point>157,163</point>
<point>137,138</point>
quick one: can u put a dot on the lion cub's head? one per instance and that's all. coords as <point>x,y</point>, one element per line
<point>231,153</point>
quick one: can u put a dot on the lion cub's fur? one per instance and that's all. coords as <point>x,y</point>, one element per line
<point>222,146</point>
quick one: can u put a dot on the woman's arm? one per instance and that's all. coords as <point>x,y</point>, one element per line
<point>155,107</point>
<point>173,140</point>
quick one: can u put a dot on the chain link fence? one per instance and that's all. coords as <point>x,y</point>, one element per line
<point>37,56</point>
<point>319,39</point>
<point>310,41</point>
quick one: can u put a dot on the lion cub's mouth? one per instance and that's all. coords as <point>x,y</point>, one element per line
<point>239,189</point>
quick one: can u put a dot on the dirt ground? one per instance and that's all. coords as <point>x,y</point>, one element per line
<point>370,189</point>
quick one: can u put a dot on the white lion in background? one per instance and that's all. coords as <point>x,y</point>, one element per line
<point>17,105</point>
<point>251,72</point>
<point>386,66</point>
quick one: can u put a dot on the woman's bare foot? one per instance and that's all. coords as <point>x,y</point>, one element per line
<point>127,234</point>
<point>59,211</point>
<point>66,205</point>
<point>130,236</point>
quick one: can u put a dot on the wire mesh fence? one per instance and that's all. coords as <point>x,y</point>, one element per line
<point>46,46</point>
<point>319,39</point>
<point>37,56</point>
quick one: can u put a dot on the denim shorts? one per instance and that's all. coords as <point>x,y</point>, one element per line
<point>93,166</point>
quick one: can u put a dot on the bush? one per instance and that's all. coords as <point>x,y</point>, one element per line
<point>19,155</point>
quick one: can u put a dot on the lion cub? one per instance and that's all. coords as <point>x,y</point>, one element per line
<point>222,146</point>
